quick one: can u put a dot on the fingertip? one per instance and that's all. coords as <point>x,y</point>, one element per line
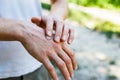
<point>49,33</point>
<point>71,37</point>
<point>57,39</point>
<point>33,20</point>
<point>64,38</point>
<point>48,37</point>
<point>36,20</point>
<point>73,75</point>
<point>76,67</point>
<point>69,41</point>
<point>56,78</point>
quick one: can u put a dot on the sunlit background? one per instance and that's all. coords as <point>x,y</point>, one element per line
<point>97,44</point>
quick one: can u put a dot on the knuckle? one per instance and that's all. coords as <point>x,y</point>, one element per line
<point>68,61</point>
<point>44,52</point>
<point>72,34</point>
<point>72,54</point>
<point>48,29</point>
<point>62,64</point>
<point>72,37</point>
<point>58,33</point>
<point>50,53</point>
<point>66,26</point>
<point>66,29</point>
<point>59,22</point>
<point>72,30</point>
<point>43,18</point>
<point>65,33</point>
<point>57,46</point>
<point>49,18</point>
<point>50,68</point>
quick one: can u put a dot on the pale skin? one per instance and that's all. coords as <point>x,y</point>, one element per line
<point>33,39</point>
<point>56,20</point>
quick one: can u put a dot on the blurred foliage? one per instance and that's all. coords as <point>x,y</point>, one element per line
<point>111,77</point>
<point>112,62</point>
<point>105,27</point>
<point>108,28</point>
<point>99,25</point>
<point>79,16</point>
<point>110,4</point>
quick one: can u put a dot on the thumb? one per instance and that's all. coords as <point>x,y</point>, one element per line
<point>36,20</point>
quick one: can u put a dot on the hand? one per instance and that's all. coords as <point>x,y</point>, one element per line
<point>62,30</point>
<point>45,50</point>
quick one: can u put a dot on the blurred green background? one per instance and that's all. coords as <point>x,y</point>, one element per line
<point>110,4</point>
<point>82,11</point>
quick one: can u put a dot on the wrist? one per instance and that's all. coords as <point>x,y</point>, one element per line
<point>20,31</point>
<point>9,30</point>
<point>27,30</point>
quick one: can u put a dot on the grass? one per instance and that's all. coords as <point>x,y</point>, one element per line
<point>97,24</point>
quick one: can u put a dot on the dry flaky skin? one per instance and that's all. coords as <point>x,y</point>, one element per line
<point>56,20</point>
<point>62,29</point>
<point>33,39</point>
<point>60,53</point>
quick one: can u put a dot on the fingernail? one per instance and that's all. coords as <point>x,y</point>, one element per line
<point>49,33</point>
<point>57,79</point>
<point>57,38</point>
<point>64,37</point>
<point>48,37</point>
<point>76,67</point>
<point>72,75</point>
<point>70,42</point>
<point>69,78</point>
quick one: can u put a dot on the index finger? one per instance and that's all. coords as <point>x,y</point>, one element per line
<point>49,26</point>
<point>62,66</point>
<point>50,69</point>
<point>71,36</point>
<point>71,54</point>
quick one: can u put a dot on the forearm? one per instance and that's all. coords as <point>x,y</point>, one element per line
<point>8,30</point>
<point>13,30</point>
<point>59,8</point>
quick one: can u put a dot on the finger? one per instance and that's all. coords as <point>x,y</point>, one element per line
<point>71,54</point>
<point>71,36</point>
<point>65,32</point>
<point>49,26</point>
<point>50,69</point>
<point>62,66</point>
<point>36,20</point>
<point>68,62</point>
<point>59,28</point>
